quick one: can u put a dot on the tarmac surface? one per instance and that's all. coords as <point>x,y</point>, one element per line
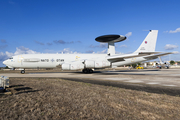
<point>166,78</point>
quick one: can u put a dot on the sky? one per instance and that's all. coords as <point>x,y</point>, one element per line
<point>71,26</point>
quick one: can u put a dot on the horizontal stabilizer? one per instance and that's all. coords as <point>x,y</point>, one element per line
<point>149,53</point>
<point>146,55</point>
<point>157,55</point>
<point>116,58</point>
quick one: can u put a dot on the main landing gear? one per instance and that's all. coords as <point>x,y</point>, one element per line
<point>87,70</point>
<point>22,71</point>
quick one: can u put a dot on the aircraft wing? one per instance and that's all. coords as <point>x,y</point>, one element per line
<point>157,55</point>
<point>146,55</point>
<point>116,58</point>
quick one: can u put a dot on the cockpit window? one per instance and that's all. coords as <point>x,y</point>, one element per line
<point>11,58</point>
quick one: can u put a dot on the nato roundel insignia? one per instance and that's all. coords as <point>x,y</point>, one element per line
<point>52,60</point>
<point>145,42</point>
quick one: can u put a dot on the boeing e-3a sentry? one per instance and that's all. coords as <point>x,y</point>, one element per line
<point>88,62</point>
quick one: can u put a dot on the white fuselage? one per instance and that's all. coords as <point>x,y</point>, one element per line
<point>53,60</point>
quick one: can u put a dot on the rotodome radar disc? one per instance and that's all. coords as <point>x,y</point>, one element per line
<point>110,38</point>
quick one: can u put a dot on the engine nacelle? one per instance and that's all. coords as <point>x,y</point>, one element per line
<point>89,64</point>
<point>73,66</point>
<point>96,64</point>
<point>86,64</point>
<point>102,64</point>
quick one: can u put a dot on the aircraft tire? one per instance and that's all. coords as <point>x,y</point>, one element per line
<point>22,71</point>
<point>91,71</point>
<point>87,71</point>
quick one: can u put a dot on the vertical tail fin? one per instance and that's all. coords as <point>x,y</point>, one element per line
<point>149,43</point>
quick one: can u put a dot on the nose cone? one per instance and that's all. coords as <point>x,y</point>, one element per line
<point>5,62</point>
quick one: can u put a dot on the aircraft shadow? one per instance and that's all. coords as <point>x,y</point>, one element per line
<point>26,92</point>
<point>23,88</point>
<point>110,72</point>
<point>12,86</point>
<point>122,72</point>
<point>18,89</point>
<point>142,87</point>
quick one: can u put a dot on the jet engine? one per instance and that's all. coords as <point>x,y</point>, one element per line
<point>73,66</point>
<point>77,65</point>
<point>96,64</point>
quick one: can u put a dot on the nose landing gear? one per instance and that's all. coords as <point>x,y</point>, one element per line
<point>22,71</point>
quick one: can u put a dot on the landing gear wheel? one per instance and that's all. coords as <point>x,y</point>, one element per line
<point>90,71</point>
<point>22,71</point>
<point>87,71</point>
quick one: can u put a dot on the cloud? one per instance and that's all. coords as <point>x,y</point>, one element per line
<point>101,45</point>
<point>3,46</point>
<point>119,52</point>
<point>67,50</point>
<point>3,41</point>
<point>19,50</point>
<point>176,52</point>
<point>90,51</point>
<point>102,52</point>
<point>40,43</point>
<point>170,47</point>
<point>59,41</point>
<point>123,46</point>
<point>49,44</point>
<point>4,56</point>
<point>64,42</point>
<point>173,31</point>
<point>128,34</point>
<point>24,50</point>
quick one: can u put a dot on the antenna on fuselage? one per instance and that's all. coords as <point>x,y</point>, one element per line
<point>110,39</point>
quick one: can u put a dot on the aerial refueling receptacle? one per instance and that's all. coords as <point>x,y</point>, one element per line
<point>110,39</point>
